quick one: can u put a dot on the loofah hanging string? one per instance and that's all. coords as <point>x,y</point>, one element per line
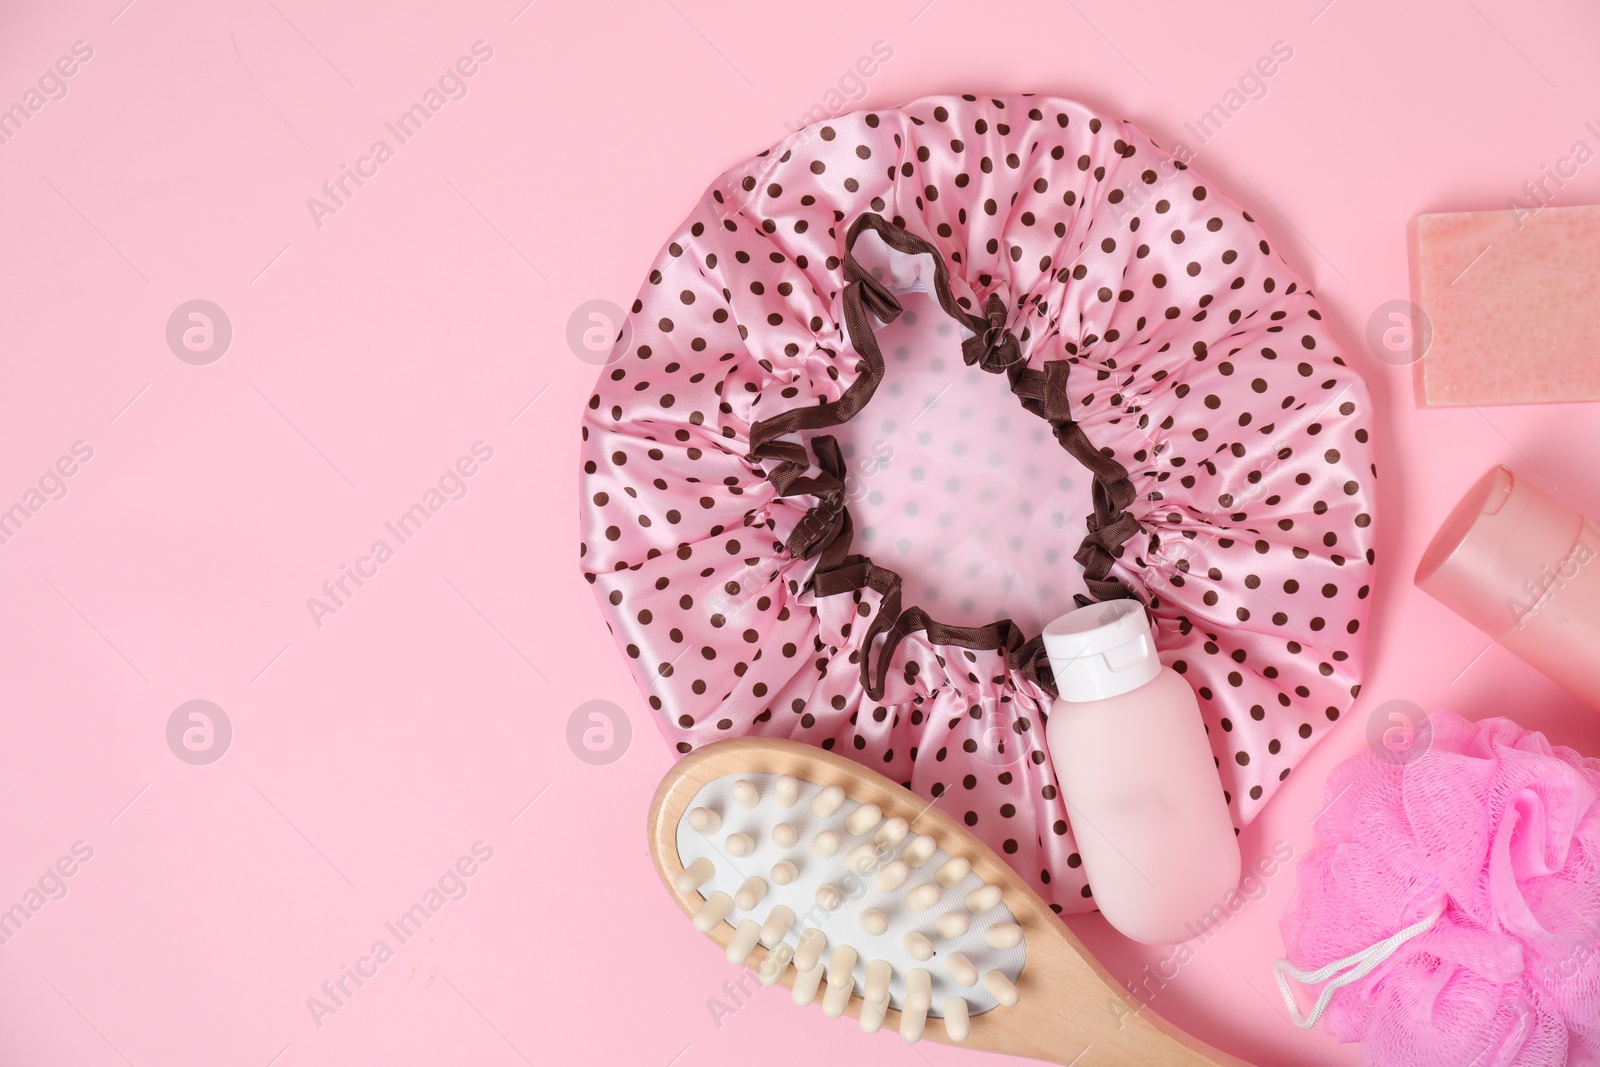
<point>1497,833</point>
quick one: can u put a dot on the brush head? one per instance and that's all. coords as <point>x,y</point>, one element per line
<point>847,888</point>
<point>857,891</point>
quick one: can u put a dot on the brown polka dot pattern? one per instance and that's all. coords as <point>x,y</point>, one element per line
<point>1198,359</point>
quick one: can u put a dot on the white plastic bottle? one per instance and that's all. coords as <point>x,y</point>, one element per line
<point>1136,771</point>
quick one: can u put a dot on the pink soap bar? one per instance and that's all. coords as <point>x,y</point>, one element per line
<point>1513,298</point>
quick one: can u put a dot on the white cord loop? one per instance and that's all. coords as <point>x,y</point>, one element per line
<point>1360,965</point>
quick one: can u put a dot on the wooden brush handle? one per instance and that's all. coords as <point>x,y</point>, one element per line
<point>1071,1010</point>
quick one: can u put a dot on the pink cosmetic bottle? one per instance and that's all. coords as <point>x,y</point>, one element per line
<point>1138,776</point>
<point>1525,569</point>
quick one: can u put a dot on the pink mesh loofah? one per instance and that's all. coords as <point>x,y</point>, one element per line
<point>1498,832</point>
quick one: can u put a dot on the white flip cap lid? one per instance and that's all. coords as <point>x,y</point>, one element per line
<point>1103,650</point>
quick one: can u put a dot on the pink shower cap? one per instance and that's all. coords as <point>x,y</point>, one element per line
<point>804,520</point>
<point>1497,833</point>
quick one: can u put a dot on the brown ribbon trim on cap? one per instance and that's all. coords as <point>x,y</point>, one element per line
<point>994,349</point>
<point>825,532</point>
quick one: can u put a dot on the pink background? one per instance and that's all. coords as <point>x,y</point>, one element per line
<point>430,711</point>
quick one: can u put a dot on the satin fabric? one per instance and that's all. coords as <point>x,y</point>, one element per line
<point>1197,359</point>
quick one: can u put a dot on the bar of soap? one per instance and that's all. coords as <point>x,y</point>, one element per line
<point>1513,299</point>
